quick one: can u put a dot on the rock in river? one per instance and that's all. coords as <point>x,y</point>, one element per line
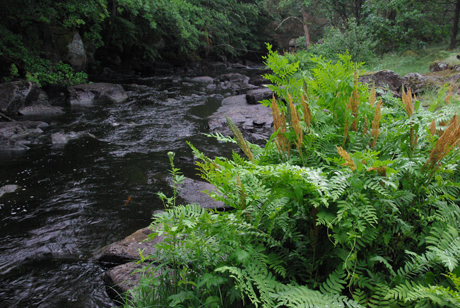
<point>96,93</point>
<point>255,121</point>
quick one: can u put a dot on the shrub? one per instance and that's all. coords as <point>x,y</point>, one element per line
<point>352,203</point>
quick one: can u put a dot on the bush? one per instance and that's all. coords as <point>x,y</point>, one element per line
<point>352,203</point>
<point>356,39</point>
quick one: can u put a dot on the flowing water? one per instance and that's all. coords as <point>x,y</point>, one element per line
<point>72,199</point>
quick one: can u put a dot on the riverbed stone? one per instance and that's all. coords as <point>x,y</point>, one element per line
<point>255,121</point>
<point>96,93</point>
<point>127,249</point>
<point>255,96</point>
<point>16,135</point>
<point>202,79</point>
<point>8,189</point>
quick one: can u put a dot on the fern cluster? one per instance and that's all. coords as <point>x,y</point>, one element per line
<point>352,214</point>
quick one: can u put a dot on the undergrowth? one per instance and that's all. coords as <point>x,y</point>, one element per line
<point>353,202</point>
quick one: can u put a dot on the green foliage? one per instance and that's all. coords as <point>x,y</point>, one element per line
<point>346,215</point>
<point>357,40</point>
<point>61,73</point>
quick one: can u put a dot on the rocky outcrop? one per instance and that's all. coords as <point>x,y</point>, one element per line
<point>25,97</point>
<point>76,53</point>
<point>438,67</point>
<point>255,96</point>
<point>255,121</point>
<point>18,135</point>
<point>127,249</point>
<point>384,78</point>
<point>123,277</point>
<point>192,191</point>
<point>96,93</point>
<point>416,82</point>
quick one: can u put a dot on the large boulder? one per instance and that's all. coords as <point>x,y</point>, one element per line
<point>96,93</point>
<point>384,78</point>
<point>192,191</point>
<point>416,82</point>
<point>257,95</point>
<point>25,97</point>
<point>76,55</point>
<point>123,277</point>
<point>127,249</point>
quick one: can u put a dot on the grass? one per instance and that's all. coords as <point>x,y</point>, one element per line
<point>414,61</point>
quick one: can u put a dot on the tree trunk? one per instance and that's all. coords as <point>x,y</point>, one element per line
<point>113,14</point>
<point>305,26</point>
<point>453,37</point>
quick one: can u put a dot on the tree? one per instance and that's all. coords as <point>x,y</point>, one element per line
<point>453,37</point>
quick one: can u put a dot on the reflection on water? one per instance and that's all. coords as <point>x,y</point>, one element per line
<point>72,198</point>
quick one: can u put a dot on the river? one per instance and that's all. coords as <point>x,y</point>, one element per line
<point>73,198</point>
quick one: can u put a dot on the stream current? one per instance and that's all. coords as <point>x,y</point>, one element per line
<point>73,198</point>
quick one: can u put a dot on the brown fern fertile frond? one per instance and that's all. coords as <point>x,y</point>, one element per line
<point>433,128</point>
<point>448,140</point>
<point>375,131</point>
<point>365,130</point>
<point>407,101</point>
<point>346,156</point>
<point>296,125</point>
<point>372,96</point>
<point>382,170</point>
<point>279,122</point>
<point>242,143</point>
<point>306,111</point>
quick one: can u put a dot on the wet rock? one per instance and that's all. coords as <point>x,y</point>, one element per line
<point>384,78</point>
<point>438,67</point>
<point>127,249</point>
<point>23,97</point>
<point>416,82</point>
<point>255,121</point>
<point>202,79</point>
<point>18,134</point>
<point>192,191</point>
<point>61,138</point>
<point>123,278</point>
<point>96,93</point>
<point>258,80</point>
<point>257,95</point>
<point>8,189</point>
<point>233,77</point>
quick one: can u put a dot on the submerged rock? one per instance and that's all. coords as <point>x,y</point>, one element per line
<point>8,189</point>
<point>96,93</point>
